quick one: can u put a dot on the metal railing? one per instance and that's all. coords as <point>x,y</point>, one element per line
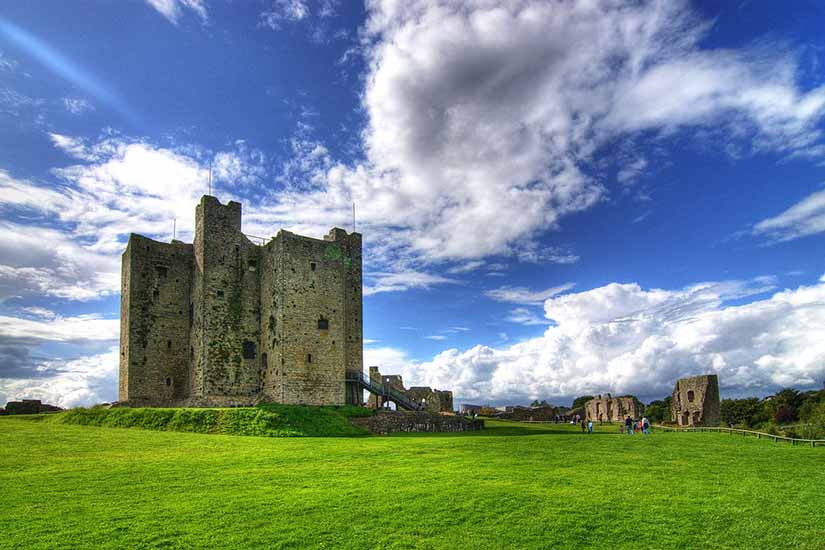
<point>384,390</point>
<point>745,433</point>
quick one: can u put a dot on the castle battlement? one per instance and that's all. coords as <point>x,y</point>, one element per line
<point>227,321</point>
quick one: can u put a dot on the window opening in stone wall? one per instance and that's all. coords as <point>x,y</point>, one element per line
<point>169,344</point>
<point>168,381</point>
<point>249,350</point>
<point>323,324</point>
<point>312,266</point>
<point>220,294</point>
<point>191,312</point>
<point>156,295</point>
<point>191,353</point>
<point>253,265</point>
<point>309,358</point>
<point>162,271</point>
<point>690,396</point>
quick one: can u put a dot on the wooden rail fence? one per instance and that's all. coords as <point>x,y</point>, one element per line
<point>731,431</point>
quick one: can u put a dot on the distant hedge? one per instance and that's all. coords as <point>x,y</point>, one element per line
<point>269,420</point>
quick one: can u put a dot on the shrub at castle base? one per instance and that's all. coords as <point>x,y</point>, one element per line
<point>271,420</point>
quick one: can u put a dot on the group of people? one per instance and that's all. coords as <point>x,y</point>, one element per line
<point>630,426</point>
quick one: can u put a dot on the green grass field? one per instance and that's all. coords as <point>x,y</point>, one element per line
<point>511,486</point>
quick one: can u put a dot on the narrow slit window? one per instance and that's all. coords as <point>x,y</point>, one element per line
<point>169,344</point>
<point>309,358</point>
<point>168,381</point>
<point>323,324</point>
<point>312,266</point>
<point>156,295</point>
<point>220,294</point>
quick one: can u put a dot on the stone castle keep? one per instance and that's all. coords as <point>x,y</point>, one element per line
<point>696,401</point>
<point>225,321</point>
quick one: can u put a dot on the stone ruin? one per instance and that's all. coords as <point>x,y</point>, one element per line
<point>435,401</point>
<point>696,401</point>
<point>612,409</point>
<point>29,406</point>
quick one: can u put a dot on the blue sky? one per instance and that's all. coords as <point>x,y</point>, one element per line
<point>556,198</point>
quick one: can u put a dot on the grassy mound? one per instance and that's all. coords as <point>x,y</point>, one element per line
<point>268,420</point>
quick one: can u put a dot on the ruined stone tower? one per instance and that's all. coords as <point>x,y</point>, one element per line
<point>696,401</point>
<point>226,321</point>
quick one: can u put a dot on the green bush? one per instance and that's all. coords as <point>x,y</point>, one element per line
<point>269,420</point>
<point>814,428</point>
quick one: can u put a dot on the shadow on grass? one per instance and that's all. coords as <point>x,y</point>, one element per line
<point>498,428</point>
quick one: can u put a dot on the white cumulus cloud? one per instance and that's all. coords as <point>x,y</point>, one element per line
<point>621,338</point>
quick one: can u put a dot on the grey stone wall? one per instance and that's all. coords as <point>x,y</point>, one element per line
<point>696,401</point>
<point>306,319</point>
<point>434,400</point>
<point>155,296</point>
<point>386,422</point>
<point>241,322</point>
<point>612,409</point>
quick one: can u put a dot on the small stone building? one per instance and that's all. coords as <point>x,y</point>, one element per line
<point>433,400</point>
<point>612,409</point>
<point>228,320</point>
<point>696,401</point>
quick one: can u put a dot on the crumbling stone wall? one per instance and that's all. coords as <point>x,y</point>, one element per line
<point>696,401</point>
<point>612,409</point>
<point>375,401</point>
<point>434,400</point>
<point>385,422</point>
<point>28,406</point>
<point>226,321</point>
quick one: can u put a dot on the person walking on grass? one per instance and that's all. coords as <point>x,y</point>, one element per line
<point>645,426</point>
<point>628,425</point>
<point>590,426</point>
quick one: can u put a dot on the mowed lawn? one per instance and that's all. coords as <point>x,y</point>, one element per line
<point>512,486</point>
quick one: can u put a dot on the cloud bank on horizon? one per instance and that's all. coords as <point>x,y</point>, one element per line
<point>485,126</point>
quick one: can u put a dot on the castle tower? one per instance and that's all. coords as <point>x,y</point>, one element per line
<point>154,322</point>
<point>311,325</point>
<point>226,309</point>
<point>226,321</point>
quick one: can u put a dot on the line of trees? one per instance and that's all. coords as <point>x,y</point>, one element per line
<point>788,411</point>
